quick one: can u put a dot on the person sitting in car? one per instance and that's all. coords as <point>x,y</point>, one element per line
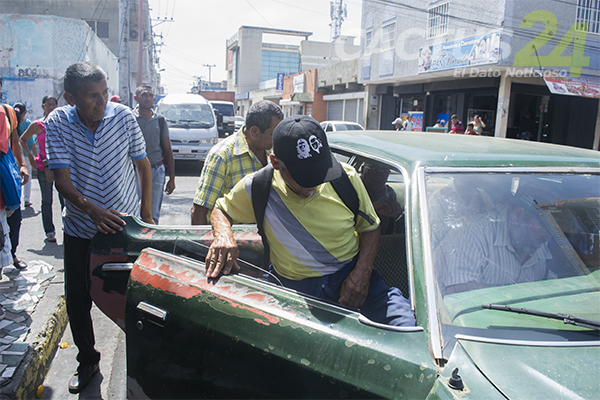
<point>383,197</point>
<point>317,246</point>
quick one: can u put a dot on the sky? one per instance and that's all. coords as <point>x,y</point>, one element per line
<point>199,30</point>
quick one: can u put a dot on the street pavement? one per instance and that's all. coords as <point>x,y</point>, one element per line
<point>37,355</point>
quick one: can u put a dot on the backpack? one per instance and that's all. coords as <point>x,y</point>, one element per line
<point>261,186</point>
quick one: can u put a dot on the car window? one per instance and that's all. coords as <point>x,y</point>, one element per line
<point>193,115</point>
<point>514,238</point>
<point>223,108</point>
<point>329,128</point>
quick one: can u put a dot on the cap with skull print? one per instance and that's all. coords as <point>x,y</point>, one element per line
<point>301,143</point>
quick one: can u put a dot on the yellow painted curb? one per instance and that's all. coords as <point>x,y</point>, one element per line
<point>41,352</point>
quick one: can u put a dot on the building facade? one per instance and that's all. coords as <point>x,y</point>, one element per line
<point>499,59</point>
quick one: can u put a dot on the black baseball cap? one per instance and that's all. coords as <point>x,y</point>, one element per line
<point>301,143</point>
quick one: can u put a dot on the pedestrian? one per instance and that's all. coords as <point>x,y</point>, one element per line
<point>92,145</point>
<point>398,123</point>
<point>242,153</point>
<point>44,174</point>
<point>158,146</point>
<point>456,126</point>
<point>408,124</point>
<point>116,99</point>
<point>478,124</point>
<point>31,146</point>
<point>526,127</point>
<point>304,212</point>
<point>8,142</point>
<point>470,129</point>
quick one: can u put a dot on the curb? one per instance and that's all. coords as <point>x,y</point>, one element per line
<point>41,351</point>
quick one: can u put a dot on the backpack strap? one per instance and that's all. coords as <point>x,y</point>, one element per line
<point>161,123</point>
<point>261,187</point>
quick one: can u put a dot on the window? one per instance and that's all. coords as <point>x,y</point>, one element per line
<point>388,36</point>
<point>273,62</point>
<point>588,16</point>
<point>100,28</point>
<point>437,23</point>
<point>368,39</point>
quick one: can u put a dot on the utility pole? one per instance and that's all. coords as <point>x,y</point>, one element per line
<point>338,12</point>
<point>209,66</point>
<point>140,55</point>
<point>124,51</point>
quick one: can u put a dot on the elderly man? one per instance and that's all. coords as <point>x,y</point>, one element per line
<point>317,245</point>
<point>506,246</point>
<point>92,145</point>
<point>240,154</point>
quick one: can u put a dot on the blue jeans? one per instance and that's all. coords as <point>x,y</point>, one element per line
<point>46,190</point>
<point>383,305</point>
<point>158,186</point>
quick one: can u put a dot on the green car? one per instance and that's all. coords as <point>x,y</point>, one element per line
<point>496,245</point>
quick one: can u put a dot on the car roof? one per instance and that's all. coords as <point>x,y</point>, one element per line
<point>340,122</point>
<point>184,98</point>
<point>412,150</point>
<point>220,102</point>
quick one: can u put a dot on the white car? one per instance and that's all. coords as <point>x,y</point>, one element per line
<point>239,121</point>
<point>334,126</point>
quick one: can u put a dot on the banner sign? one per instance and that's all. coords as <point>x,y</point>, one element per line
<point>584,86</point>
<point>279,85</point>
<point>474,50</point>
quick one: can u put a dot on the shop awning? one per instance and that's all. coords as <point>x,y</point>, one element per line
<point>584,86</point>
<point>303,97</point>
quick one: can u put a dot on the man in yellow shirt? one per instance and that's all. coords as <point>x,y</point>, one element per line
<point>317,246</point>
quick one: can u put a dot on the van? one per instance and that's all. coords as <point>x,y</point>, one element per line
<point>192,125</point>
<point>225,108</point>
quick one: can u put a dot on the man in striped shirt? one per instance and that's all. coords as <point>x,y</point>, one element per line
<point>92,145</point>
<point>235,157</point>
<point>506,246</point>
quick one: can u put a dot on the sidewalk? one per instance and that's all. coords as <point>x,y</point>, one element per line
<point>30,332</point>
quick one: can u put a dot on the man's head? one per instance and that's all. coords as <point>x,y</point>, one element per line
<point>397,123</point>
<point>86,88</point>
<point>527,234</point>
<point>261,120</point>
<point>374,176</point>
<point>301,144</point>
<point>144,95</point>
<point>454,118</point>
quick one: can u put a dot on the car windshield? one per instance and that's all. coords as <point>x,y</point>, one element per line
<point>188,115</point>
<point>348,127</point>
<point>225,109</point>
<point>516,239</point>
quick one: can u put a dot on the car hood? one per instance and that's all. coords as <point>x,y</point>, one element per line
<point>567,370</point>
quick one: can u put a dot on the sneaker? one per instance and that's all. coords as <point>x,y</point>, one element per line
<point>51,237</point>
<point>28,204</point>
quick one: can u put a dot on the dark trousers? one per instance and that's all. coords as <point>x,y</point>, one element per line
<point>78,298</point>
<point>46,191</point>
<point>14,223</point>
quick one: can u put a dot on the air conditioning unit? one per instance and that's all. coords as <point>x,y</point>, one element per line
<point>133,34</point>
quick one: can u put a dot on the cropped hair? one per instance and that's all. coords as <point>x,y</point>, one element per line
<point>139,89</point>
<point>261,113</point>
<point>80,73</point>
<point>46,98</point>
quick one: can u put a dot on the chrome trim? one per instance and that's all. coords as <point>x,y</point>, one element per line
<point>364,320</point>
<point>117,267</point>
<point>152,310</point>
<point>554,169</point>
<point>526,342</point>
<point>430,286</point>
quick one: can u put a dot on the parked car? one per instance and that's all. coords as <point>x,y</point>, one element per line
<point>227,110</point>
<point>243,335</point>
<point>192,125</point>
<point>334,126</point>
<point>239,121</point>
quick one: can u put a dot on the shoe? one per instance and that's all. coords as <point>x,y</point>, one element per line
<point>82,377</point>
<point>51,237</point>
<point>19,264</point>
<point>28,204</point>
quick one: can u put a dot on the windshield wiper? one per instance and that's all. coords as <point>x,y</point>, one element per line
<point>566,318</point>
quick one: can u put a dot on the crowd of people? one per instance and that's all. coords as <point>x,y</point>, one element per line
<point>106,160</point>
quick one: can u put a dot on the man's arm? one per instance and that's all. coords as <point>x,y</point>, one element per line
<point>355,287</point>
<point>199,214</point>
<point>32,129</point>
<point>170,164</point>
<point>145,175</point>
<point>17,150</point>
<point>106,221</point>
<point>223,252</point>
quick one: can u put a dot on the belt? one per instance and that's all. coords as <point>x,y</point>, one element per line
<point>158,164</point>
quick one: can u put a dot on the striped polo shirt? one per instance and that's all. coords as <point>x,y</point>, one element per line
<point>100,163</point>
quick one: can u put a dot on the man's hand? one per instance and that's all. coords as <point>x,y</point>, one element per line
<point>170,186</point>
<point>223,252</point>
<point>24,174</point>
<point>107,221</point>
<point>387,209</point>
<point>355,288</point>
